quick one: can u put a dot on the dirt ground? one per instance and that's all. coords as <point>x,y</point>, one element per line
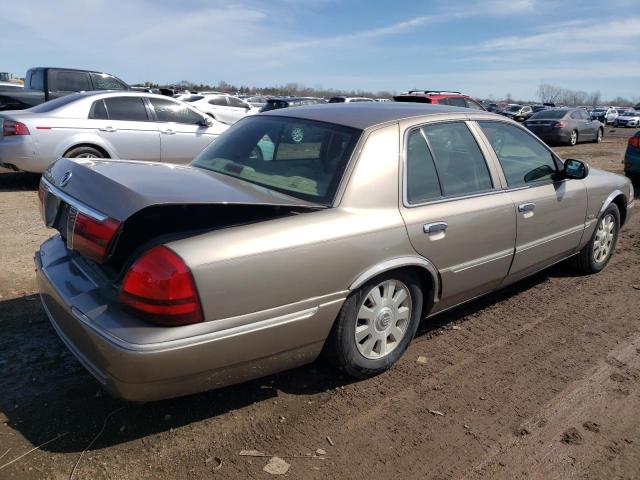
<point>541,380</point>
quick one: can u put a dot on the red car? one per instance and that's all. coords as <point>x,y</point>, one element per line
<point>455,99</point>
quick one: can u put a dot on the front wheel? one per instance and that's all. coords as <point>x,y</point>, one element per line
<point>597,253</point>
<point>376,325</point>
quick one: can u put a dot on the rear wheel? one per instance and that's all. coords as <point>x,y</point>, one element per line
<point>376,324</point>
<point>597,253</point>
<point>573,138</point>
<point>84,152</point>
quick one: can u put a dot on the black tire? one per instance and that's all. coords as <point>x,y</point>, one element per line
<point>585,260</point>
<point>340,348</point>
<point>573,140</point>
<point>599,136</point>
<point>84,152</point>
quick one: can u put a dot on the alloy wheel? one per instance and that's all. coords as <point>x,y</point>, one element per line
<point>383,319</point>
<point>605,235</point>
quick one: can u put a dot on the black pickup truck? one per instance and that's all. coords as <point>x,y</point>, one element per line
<point>42,84</point>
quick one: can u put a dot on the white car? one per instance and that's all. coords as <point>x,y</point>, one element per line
<point>629,118</point>
<point>124,125</point>
<point>341,99</point>
<point>611,115</point>
<point>219,106</point>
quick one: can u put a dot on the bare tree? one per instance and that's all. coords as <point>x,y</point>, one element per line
<point>548,93</point>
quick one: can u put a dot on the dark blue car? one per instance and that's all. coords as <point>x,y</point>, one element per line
<point>632,158</point>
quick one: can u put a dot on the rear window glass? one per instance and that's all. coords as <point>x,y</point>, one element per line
<point>98,111</point>
<point>302,158</point>
<point>126,108</point>
<point>51,105</point>
<point>192,98</point>
<point>554,114</point>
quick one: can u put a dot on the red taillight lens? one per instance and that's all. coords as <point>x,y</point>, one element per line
<point>560,125</point>
<point>160,286</point>
<point>634,141</point>
<point>11,128</point>
<point>92,238</point>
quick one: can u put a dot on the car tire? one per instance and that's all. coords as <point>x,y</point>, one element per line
<point>352,335</point>
<point>592,258</point>
<point>84,152</point>
<point>573,139</point>
<point>599,135</point>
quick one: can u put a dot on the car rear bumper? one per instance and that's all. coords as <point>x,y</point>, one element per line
<point>19,153</point>
<point>164,369</point>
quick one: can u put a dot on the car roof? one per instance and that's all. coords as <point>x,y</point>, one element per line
<point>362,115</point>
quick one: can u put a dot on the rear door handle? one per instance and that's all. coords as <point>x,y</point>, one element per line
<point>107,129</point>
<point>526,207</point>
<point>435,227</point>
<point>168,131</point>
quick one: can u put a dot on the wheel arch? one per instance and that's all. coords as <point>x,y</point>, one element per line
<point>100,148</point>
<point>426,271</point>
<point>620,200</point>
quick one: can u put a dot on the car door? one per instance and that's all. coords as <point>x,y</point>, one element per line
<point>591,126</point>
<point>457,215</point>
<point>183,132</point>
<point>238,108</point>
<point>220,108</point>
<point>551,211</point>
<point>581,125</point>
<point>123,122</point>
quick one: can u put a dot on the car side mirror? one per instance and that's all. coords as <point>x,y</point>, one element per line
<point>206,122</point>
<point>575,169</point>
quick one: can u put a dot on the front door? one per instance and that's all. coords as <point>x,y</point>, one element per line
<point>550,212</point>
<point>182,133</point>
<point>457,215</point>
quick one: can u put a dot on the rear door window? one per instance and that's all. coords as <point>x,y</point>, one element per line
<point>457,102</point>
<point>474,105</point>
<point>219,100</point>
<point>98,111</point>
<point>126,108</point>
<point>421,176</point>
<point>461,167</point>
<point>236,102</point>
<point>523,158</point>
<point>168,111</point>
<point>67,81</point>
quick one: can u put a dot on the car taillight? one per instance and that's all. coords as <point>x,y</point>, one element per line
<point>90,237</point>
<point>11,128</point>
<point>159,285</point>
<point>559,125</point>
<point>634,141</point>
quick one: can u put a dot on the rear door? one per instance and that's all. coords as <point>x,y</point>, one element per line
<point>124,123</point>
<point>456,213</point>
<point>221,109</point>
<point>551,213</point>
<point>238,108</point>
<point>182,132</point>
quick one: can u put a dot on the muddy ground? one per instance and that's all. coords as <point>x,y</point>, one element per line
<point>541,380</point>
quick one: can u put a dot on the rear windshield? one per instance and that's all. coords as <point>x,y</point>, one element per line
<point>549,114</point>
<point>51,105</point>
<point>192,98</point>
<point>302,158</point>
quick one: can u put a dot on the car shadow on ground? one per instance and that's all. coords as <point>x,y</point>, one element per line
<point>47,392</point>
<point>18,181</point>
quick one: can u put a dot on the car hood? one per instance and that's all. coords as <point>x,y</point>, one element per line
<point>119,188</point>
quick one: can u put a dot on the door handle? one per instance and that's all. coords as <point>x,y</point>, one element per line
<point>168,131</point>
<point>435,227</point>
<point>526,207</point>
<point>107,129</point>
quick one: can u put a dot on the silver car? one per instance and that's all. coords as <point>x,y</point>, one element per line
<point>126,125</point>
<point>353,223</point>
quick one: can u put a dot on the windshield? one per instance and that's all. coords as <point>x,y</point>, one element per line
<point>630,114</point>
<point>549,114</point>
<point>302,158</point>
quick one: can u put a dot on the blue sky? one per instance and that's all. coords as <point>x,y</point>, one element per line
<point>480,47</point>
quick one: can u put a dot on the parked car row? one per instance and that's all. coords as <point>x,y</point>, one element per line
<point>127,125</point>
<point>300,231</point>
